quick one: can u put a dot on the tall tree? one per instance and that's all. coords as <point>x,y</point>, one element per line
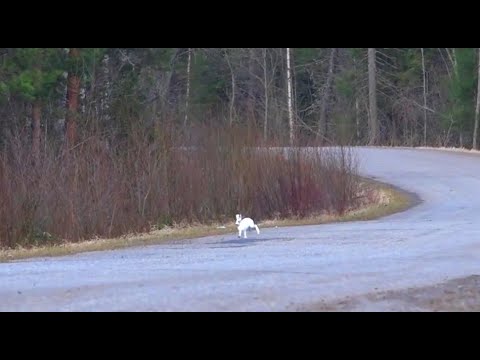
<point>322,123</point>
<point>265,87</point>
<point>73,91</point>
<point>477,107</point>
<point>32,74</point>
<point>290,98</point>
<point>233,86</point>
<point>372,94</point>
<point>187,97</point>
<point>419,96</point>
<point>251,93</point>
<point>424,73</point>
<point>462,91</point>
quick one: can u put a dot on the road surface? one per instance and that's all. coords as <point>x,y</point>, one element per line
<point>284,269</point>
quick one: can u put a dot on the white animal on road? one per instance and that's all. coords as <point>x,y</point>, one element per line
<point>245,224</point>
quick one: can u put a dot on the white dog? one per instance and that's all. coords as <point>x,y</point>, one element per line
<point>244,225</point>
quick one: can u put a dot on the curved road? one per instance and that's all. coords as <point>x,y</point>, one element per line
<point>285,268</point>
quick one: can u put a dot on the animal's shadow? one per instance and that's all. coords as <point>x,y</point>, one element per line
<point>242,242</point>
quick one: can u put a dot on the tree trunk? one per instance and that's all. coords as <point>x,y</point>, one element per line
<point>73,91</point>
<point>477,108</point>
<point>372,92</point>
<point>322,123</point>
<point>189,64</point>
<point>265,86</point>
<point>36,119</point>
<point>424,100</point>
<point>455,64</point>
<point>251,85</point>
<point>232,99</point>
<point>453,59</point>
<point>107,89</point>
<point>289,98</point>
<point>164,93</point>
<point>357,118</point>
<point>357,105</point>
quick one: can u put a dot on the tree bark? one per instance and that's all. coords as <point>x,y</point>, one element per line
<point>106,89</point>
<point>189,65</point>
<point>289,98</point>
<point>372,92</point>
<point>322,123</point>
<point>251,85</point>
<point>265,87</point>
<point>232,99</point>
<point>357,118</point>
<point>73,91</point>
<point>424,100</point>
<point>357,105</point>
<point>455,64</point>
<point>477,108</point>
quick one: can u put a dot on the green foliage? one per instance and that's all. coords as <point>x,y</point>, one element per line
<point>209,83</point>
<point>409,71</point>
<point>345,83</point>
<point>160,58</point>
<point>32,73</point>
<point>4,92</point>
<point>305,56</point>
<point>151,83</point>
<point>462,89</point>
<point>357,53</point>
<point>86,64</point>
<point>303,61</point>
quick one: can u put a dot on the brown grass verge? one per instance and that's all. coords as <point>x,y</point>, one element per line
<point>380,200</point>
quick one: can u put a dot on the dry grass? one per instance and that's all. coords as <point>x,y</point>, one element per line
<point>151,238</point>
<point>452,149</point>
<point>112,186</point>
<point>382,200</point>
<point>379,200</point>
<point>438,148</point>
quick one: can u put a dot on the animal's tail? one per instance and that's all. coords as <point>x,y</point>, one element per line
<point>258,230</point>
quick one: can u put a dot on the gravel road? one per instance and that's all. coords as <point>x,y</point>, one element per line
<point>424,259</point>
